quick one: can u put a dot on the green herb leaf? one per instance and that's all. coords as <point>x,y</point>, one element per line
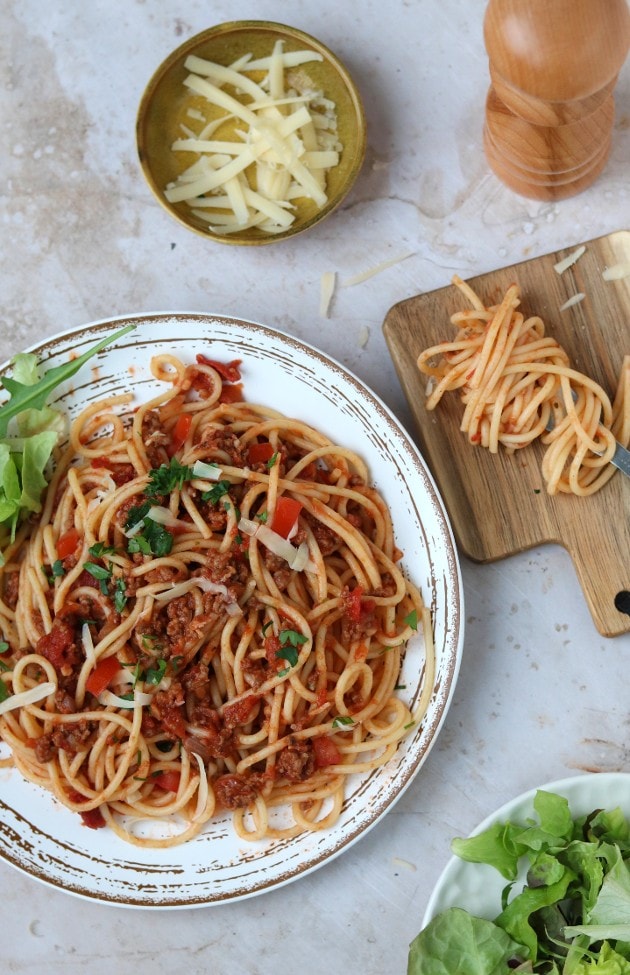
<point>155,674</point>
<point>120,595</point>
<point>97,571</point>
<point>412,619</point>
<point>167,477</point>
<point>4,646</point>
<point>137,514</point>
<point>292,637</point>
<point>455,941</point>
<point>159,539</point>
<point>4,691</point>
<point>34,395</point>
<point>289,654</point>
<point>218,491</point>
<point>342,720</point>
<point>100,549</point>
<point>139,544</point>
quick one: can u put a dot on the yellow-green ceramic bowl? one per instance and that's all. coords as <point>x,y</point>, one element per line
<point>166,101</point>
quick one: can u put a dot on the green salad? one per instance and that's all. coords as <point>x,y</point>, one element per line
<point>571,916</point>
<point>30,431</point>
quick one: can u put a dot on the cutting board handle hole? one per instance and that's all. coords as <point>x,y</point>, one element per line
<point>622,601</point>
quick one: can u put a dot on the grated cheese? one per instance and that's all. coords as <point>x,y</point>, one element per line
<point>573,300</point>
<point>569,260</point>
<point>284,152</point>
<point>32,696</point>
<point>616,272</point>
<point>364,275</point>
<point>327,290</point>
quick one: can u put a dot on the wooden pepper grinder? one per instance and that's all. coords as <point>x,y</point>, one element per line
<point>550,107</point>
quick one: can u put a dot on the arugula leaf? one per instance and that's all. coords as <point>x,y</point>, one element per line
<point>26,396</point>
<point>24,458</point>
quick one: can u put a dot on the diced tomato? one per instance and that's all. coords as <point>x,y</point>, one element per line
<point>180,431</point>
<point>102,675</point>
<point>355,606</point>
<point>352,603</point>
<point>260,453</point>
<point>272,645</point>
<point>285,515</point>
<point>168,780</point>
<point>58,646</point>
<point>326,752</point>
<point>232,394</point>
<point>93,818</point>
<point>227,370</point>
<point>67,543</point>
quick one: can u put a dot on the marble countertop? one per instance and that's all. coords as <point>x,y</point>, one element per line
<point>541,694</point>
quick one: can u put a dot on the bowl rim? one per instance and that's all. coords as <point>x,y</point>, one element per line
<point>238,26</point>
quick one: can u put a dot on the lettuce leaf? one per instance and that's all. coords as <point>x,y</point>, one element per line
<point>569,913</point>
<point>455,942</point>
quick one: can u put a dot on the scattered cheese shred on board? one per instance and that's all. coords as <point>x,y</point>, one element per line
<point>364,275</point>
<point>283,151</point>
<point>569,260</point>
<point>573,300</point>
<point>327,290</point>
<point>616,272</point>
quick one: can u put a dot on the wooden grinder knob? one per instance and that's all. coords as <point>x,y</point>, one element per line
<point>550,106</point>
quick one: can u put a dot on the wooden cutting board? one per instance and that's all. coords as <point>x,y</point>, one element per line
<point>498,504</point>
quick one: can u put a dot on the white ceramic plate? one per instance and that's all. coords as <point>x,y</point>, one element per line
<point>476,887</point>
<point>38,835</point>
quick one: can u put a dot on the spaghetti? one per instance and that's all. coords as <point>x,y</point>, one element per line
<point>517,386</point>
<point>209,615</point>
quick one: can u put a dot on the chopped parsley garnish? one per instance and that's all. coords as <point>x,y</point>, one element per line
<point>120,595</point>
<point>272,460</point>
<point>292,637</point>
<point>153,540</point>
<point>167,477</point>
<point>341,720</point>
<point>100,549</point>
<point>155,674</point>
<point>101,574</point>
<point>216,492</point>
<point>290,640</point>
<point>137,514</point>
<point>4,691</point>
<point>56,571</point>
<point>262,517</point>
<point>412,619</point>
<point>4,646</point>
